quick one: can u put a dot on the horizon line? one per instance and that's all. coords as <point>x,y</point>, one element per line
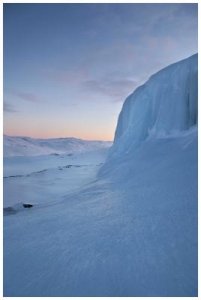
<point>60,137</point>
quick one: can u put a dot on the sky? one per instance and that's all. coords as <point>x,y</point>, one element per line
<point>69,67</point>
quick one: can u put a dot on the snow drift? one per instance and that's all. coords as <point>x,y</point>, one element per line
<point>165,105</point>
<point>153,162</point>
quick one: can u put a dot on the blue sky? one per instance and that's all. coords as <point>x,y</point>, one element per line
<point>69,67</point>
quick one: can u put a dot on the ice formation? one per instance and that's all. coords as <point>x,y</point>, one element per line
<point>165,105</point>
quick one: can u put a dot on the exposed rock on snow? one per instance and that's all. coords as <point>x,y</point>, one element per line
<point>27,205</point>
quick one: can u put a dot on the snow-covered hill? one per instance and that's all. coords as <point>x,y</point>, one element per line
<point>26,146</point>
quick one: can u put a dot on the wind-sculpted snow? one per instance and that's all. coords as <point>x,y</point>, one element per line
<point>165,105</point>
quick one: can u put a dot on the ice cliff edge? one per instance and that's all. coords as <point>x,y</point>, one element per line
<point>166,104</point>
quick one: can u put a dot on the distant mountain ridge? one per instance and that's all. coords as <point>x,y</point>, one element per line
<point>26,146</point>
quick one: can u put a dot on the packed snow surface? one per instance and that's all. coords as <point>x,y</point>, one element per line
<point>127,227</point>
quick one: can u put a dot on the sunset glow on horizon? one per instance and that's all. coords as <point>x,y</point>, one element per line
<point>46,133</point>
<point>69,67</point>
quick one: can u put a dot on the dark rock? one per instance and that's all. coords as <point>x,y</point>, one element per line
<point>27,205</point>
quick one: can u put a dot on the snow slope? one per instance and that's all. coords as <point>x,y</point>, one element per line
<point>26,146</point>
<point>131,230</point>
